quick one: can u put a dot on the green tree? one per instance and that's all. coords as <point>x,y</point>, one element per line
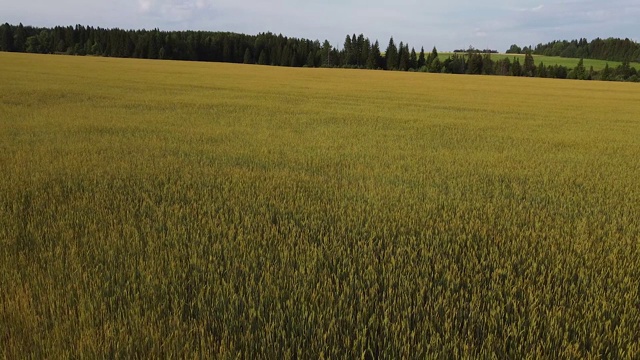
<point>529,67</point>
<point>20,39</point>
<point>364,52</point>
<point>247,57</point>
<point>413,59</point>
<point>372,62</point>
<point>33,44</point>
<point>326,54</point>
<point>487,64</point>
<point>502,67</point>
<point>262,59</point>
<point>605,74</point>
<point>455,64</point>
<point>349,53</point>
<point>570,51</point>
<point>311,59</point>
<point>514,49</point>
<point>377,55</point>
<point>542,70</point>
<point>579,71</point>
<point>474,63</point>
<point>6,38</point>
<point>285,57</point>
<point>422,60</point>
<point>403,57</point>
<point>435,66</point>
<point>391,55</point>
<point>432,57</point>
<point>516,68</point>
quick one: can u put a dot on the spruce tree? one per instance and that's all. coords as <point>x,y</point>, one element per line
<point>20,39</point>
<point>421,59</point>
<point>432,56</point>
<point>247,56</point>
<point>529,65</point>
<point>311,59</point>
<point>542,70</point>
<point>516,68</point>
<point>6,38</point>
<point>262,59</point>
<point>379,61</point>
<point>326,53</point>
<point>580,71</point>
<point>487,64</point>
<point>413,59</point>
<point>391,56</point>
<point>349,55</point>
<point>605,74</point>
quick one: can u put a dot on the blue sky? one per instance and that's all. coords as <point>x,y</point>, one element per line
<point>447,24</point>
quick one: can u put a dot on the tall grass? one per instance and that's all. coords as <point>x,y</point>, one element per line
<point>168,209</point>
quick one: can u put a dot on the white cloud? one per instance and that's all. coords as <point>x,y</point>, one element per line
<point>144,5</point>
<point>531,9</point>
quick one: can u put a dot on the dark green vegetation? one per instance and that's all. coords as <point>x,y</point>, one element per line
<point>159,209</point>
<point>270,49</point>
<point>608,49</point>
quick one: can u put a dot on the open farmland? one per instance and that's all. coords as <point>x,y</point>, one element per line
<point>174,209</point>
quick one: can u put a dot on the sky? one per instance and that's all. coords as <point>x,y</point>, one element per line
<point>446,24</point>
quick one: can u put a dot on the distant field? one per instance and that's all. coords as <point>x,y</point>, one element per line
<point>157,209</point>
<point>555,60</point>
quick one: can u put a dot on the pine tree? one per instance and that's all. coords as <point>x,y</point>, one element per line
<point>20,39</point>
<point>529,65</point>
<point>247,57</point>
<point>432,56</point>
<point>413,59</point>
<point>6,38</point>
<point>391,56</point>
<point>580,71</point>
<point>311,59</point>
<point>435,66</point>
<point>516,68</point>
<point>474,63</point>
<point>262,59</point>
<point>379,61</point>
<point>365,49</point>
<point>326,53</point>
<point>542,70</point>
<point>349,55</point>
<point>487,64</point>
<point>605,74</point>
<point>371,60</point>
<point>421,59</point>
<point>403,58</point>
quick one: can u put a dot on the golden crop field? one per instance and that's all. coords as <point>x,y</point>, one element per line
<point>195,210</point>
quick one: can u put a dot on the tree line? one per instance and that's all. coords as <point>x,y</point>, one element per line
<point>610,49</point>
<point>278,50</point>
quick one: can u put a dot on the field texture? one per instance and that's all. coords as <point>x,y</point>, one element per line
<point>169,209</point>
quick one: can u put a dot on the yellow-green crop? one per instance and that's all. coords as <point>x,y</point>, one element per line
<point>172,209</point>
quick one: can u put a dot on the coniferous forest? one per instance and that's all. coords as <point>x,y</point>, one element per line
<point>356,52</point>
<point>608,49</point>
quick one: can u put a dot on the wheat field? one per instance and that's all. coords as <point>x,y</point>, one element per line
<point>194,210</point>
